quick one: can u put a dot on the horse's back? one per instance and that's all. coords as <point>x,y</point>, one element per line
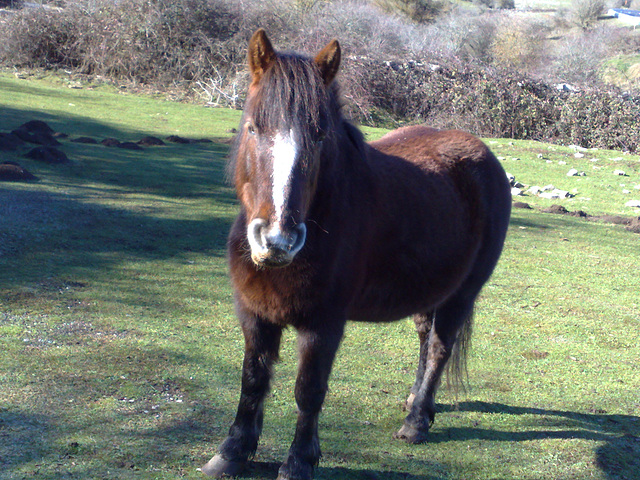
<point>454,155</point>
<point>401,135</point>
<point>443,202</point>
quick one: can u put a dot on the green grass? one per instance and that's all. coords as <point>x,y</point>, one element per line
<point>622,70</point>
<point>120,353</point>
<point>599,191</point>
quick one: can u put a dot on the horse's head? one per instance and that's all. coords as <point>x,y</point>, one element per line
<point>289,117</point>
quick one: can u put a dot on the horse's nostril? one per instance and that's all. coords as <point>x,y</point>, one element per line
<point>275,239</point>
<point>271,245</point>
<point>255,234</point>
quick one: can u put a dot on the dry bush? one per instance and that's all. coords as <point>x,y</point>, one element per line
<point>501,4</point>
<point>464,35</point>
<point>393,71</point>
<point>419,11</point>
<point>498,103</point>
<point>485,103</point>
<point>519,44</point>
<point>578,59</point>
<point>621,40</point>
<point>43,38</point>
<point>585,13</point>
<point>142,41</point>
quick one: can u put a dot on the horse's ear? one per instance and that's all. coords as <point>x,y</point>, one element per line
<point>329,61</point>
<point>261,54</point>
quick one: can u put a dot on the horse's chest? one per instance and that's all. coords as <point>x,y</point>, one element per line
<point>272,294</point>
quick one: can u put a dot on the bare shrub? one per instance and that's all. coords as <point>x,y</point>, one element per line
<point>142,41</point>
<point>578,59</point>
<point>501,4</point>
<point>622,40</point>
<point>419,11</point>
<point>461,97</point>
<point>519,44</point>
<point>464,34</point>
<point>585,13</point>
<point>222,89</point>
<point>362,29</point>
<point>43,38</point>
<point>498,103</point>
<point>394,70</point>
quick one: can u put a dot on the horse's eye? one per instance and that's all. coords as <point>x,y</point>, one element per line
<point>251,128</point>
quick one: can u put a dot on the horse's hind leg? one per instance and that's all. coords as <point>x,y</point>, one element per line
<point>262,342</point>
<point>424,322</point>
<point>449,320</point>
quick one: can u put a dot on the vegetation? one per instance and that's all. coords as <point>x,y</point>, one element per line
<point>420,11</point>
<point>585,13</point>
<point>492,72</point>
<point>120,353</point>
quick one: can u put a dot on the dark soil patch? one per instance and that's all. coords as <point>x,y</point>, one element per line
<point>178,139</point>
<point>37,126</point>
<point>89,140</point>
<point>535,355</point>
<point>526,206</point>
<point>151,142</point>
<point>110,142</point>
<point>13,172</point>
<point>39,138</point>
<point>38,132</point>
<point>48,155</point>
<point>560,210</point>
<point>632,224</point>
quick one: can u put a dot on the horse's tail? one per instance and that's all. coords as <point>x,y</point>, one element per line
<point>457,372</point>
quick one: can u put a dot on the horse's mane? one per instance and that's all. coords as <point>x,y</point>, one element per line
<point>292,92</point>
<point>292,89</point>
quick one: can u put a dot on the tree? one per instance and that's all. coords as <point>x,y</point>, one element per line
<point>420,11</point>
<point>585,13</point>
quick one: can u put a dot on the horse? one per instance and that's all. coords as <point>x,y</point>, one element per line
<point>332,228</point>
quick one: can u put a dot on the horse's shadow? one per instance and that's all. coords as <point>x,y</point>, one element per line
<point>618,455</point>
<point>270,470</point>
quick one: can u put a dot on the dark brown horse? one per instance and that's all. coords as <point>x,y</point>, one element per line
<point>332,228</point>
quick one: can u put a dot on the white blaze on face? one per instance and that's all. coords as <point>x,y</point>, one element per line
<point>284,153</point>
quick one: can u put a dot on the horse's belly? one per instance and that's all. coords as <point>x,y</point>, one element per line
<point>390,294</point>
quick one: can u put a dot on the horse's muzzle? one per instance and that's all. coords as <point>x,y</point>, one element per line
<point>271,247</point>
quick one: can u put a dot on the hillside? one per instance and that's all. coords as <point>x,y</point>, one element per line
<point>120,352</point>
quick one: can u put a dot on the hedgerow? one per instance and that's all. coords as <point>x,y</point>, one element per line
<point>456,73</point>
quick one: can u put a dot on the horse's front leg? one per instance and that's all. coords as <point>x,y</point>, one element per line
<point>262,342</point>
<point>316,349</point>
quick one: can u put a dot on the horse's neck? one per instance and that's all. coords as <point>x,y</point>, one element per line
<point>346,173</point>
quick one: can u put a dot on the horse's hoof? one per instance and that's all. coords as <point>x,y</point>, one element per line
<point>295,470</point>
<point>219,467</point>
<point>411,434</point>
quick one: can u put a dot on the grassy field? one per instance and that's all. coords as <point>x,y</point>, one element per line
<point>120,354</point>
